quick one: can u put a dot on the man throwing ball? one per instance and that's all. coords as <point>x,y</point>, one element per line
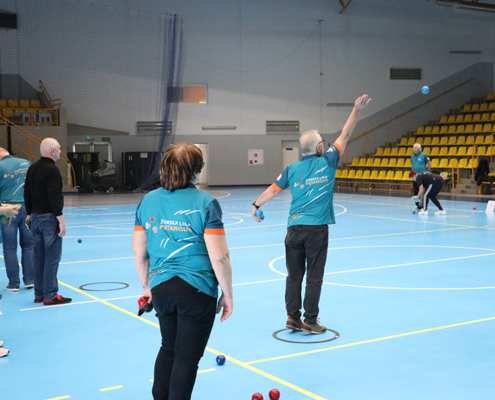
<point>311,181</point>
<point>429,186</point>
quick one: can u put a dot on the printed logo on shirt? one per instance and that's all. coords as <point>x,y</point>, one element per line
<point>280,176</point>
<point>171,225</point>
<point>152,219</point>
<point>318,179</point>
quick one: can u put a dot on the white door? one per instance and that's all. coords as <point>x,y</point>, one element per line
<point>203,177</point>
<point>290,152</point>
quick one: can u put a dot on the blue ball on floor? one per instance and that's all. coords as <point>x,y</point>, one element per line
<point>79,240</point>
<point>220,360</point>
<point>414,212</point>
<point>425,89</point>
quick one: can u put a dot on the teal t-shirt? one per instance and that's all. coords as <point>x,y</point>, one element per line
<point>419,162</point>
<point>12,177</point>
<point>311,181</point>
<point>175,224</point>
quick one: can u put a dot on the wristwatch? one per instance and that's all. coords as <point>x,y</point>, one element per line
<point>256,205</point>
<point>146,287</point>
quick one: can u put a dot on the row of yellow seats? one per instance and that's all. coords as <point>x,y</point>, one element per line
<point>394,152</point>
<point>453,129</point>
<point>448,141</point>
<point>462,151</point>
<point>14,103</point>
<point>373,175</point>
<point>478,107</point>
<point>381,162</point>
<point>463,163</point>
<point>468,118</point>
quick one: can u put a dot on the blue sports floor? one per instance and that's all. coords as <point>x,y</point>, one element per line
<point>411,297</point>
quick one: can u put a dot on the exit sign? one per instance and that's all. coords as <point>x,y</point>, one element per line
<point>90,138</point>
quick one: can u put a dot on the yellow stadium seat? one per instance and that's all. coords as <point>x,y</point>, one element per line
<point>452,129</point>
<point>435,141</point>
<point>384,162</point>
<point>418,141</point>
<point>461,151</point>
<point>398,176</point>
<point>405,176</point>
<point>402,151</point>
<point>338,173</point>
<point>443,119</point>
<point>359,174</point>
<point>426,150</point>
<point>485,117</point>
<point>351,174</point>
<point>362,162</point>
<point>435,130</point>
<point>461,140</point>
<point>444,151</point>
<point>473,163</point>
<point>471,151</point>
<point>490,96</point>
<point>379,152</point>
<point>451,119</point>
<point>409,152</point>
<point>475,108</point>
<point>24,103</point>
<point>488,139</point>
<point>459,119</point>
<point>491,107</point>
<point>392,163</point>
<point>344,174</point>
<point>382,175</point>
<point>13,103</point>
<point>490,151</point>
<point>374,175</point>
<point>427,141</point>
<point>355,162</point>
<point>435,151</point>
<point>487,128</point>
<point>35,104</point>
<point>408,163</point>
<point>453,163</point>
<point>478,128</point>
<point>484,107</point>
<point>452,141</point>
<point>492,117</point>
<point>400,163</point>
<point>468,118</point>
<point>479,139</point>
<point>3,103</point>
<point>390,176</point>
<point>460,129</point>
<point>476,117</point>
<point>452,152</point>
<point>428,130</point>
<point>369,162</point>
<point>366,174</point>
<point>481,151</point>
<point>444,163</point>
<point>435,163</point>
<point>377,162</point>
<point>394,152</point>
<point>444,130</point>
<point>467,108</point>
<point>463,163</point>
<point>403,141</point>
<point>470,140</point>
<point>420,131</point>
<point>444,141</point>
<point>386,152</point>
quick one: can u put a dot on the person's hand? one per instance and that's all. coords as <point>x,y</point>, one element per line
<point>62,229</point>
<point>227,303</point>
<point>147,293</point>
<point>254,216</point>
<point>414,197</point>
<point>362,102</point>
<point>28,222</point>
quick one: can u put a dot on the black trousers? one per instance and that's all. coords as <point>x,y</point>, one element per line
<point>431,194</point>
<point>306,252</point>
<point>416,191</point>
<point>186,318</point>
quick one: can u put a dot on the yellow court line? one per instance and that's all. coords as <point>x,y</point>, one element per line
<point>103,259</point>
<point>235,361</point>
<point>371,341</point>
<point>111,388</point>
<point>59,398</point>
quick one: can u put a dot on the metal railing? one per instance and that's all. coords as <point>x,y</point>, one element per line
<point>53,102</point>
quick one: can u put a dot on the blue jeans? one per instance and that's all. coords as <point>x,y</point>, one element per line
<point>186,318</point>
<point>9,235</point>
<point>47,254</point>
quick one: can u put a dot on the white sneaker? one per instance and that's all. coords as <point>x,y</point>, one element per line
<point>440,212</point>
<point>423,212</point>
<point>4,352</point>
<point>1,343</point>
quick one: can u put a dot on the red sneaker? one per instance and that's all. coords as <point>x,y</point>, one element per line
<point>57,300</point>
<point>38,299</point>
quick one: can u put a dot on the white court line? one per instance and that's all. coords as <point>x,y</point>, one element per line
<point>96,236</point>
<point>405,288</point>
<point>252,283</point>
<point>105,227</point>
<point>80,302</point>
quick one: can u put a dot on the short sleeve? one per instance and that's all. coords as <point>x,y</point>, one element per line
<point>282,181</point>
<point>138,226</point>
<point>213,219</point>
<point>333,155</point>
<point>427,159</point>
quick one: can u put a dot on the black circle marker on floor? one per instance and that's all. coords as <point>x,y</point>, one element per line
<point>124,285</point>
<point>275,335</point>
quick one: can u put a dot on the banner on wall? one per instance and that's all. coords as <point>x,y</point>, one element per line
<point>255,156</point>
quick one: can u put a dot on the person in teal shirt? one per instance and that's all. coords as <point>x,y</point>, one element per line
<point>311,182</point>
<point>181,257</point>
<point>420,163</point>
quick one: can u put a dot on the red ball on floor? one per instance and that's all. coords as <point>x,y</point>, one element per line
<point>257,396</point>
<point>274,394</point>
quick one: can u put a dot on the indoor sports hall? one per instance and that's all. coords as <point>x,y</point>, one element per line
<point>407,298</point>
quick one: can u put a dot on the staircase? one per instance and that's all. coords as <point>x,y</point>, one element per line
<point>466,186</point>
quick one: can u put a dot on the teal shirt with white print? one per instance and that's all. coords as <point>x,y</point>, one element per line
<point>311,181</point>
<point>175,224</point>
<point>12,177</point>
<point>419,162</point>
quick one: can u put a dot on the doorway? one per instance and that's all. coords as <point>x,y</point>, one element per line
<point>290,152</point>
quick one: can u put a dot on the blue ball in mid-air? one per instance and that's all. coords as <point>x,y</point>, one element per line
<point>425,89</point>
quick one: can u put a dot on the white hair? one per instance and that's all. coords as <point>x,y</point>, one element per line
<point>47,145</point>
<point>416,146</point>
<point>308,141</point>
